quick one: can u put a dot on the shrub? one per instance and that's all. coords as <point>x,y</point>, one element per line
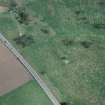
<point>19,13</point>
<point>22,16</point>
<point>45,31</point>
<point>64,103</point>
<point>24,40</point>
<point>86,44</point>
<point>67,42</point>
<point>99,26</point>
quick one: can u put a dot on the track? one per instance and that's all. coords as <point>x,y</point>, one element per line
<point>30,70</point>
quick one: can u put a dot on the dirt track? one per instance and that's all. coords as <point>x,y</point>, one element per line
<point>3,9</point>
<point>12,72</point>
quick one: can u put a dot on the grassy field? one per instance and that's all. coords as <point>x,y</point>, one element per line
<point>29,94</point>
<point>68,49</point>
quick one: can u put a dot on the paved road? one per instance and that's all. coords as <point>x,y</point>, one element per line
<point>30,70</point>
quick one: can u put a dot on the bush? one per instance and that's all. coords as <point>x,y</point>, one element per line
<point>86,44</point>
<point>45,31</point>
<point>67,42</point>
<point>22,16</point>
<point>24,40</point>
<point>99,26</point>
<point>12,5</point>
<point>64,103</point>
<point>19,12</point>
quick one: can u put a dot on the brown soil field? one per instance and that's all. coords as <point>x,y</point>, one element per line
<point>12,72</point>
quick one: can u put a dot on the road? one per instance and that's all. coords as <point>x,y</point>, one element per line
<point>30,70</point>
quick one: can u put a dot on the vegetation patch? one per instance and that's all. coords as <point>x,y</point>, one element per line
<point>86,44</point>
<point>73,58</point>
<point>24,40</point>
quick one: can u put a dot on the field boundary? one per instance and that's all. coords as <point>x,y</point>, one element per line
<point>30,70</point>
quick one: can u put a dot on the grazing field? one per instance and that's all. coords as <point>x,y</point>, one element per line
<point>66,46</point>
<point>12,72</point>
<point>28,94</point>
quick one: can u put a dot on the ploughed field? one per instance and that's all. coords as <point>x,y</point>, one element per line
<point>64,40</point>
<point>12,72</point>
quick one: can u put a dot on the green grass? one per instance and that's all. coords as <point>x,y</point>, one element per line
<point>28,94</point>
<point>81,81</point>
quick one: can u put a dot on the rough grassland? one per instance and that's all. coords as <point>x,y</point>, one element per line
<point>70,55</point>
